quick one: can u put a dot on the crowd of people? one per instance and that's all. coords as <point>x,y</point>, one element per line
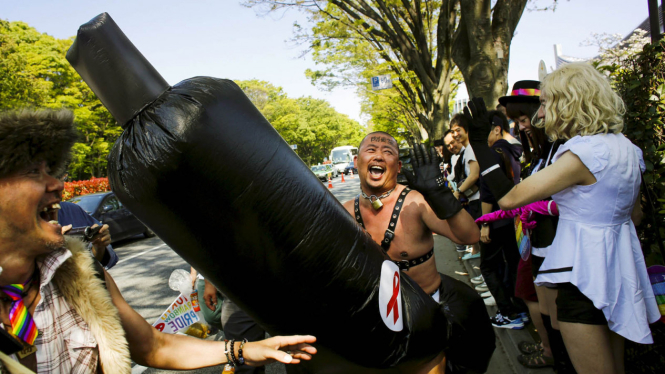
<point>582,279</point>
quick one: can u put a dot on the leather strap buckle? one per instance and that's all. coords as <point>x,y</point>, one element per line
<point>403,264</point>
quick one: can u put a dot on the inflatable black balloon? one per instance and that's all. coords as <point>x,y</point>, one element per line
<point>200,165</point>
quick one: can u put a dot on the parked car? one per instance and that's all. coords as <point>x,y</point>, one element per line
<point>405,157</point>
<point>321,172</point>
<point>350,167</point>
<point>107,209</point>
<point>334,173</point>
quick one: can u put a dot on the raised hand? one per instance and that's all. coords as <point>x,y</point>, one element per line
<point>479,121</point>
<point>426,175</point>
<point>427,179</point>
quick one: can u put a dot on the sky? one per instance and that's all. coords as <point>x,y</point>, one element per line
<point>223,39</point>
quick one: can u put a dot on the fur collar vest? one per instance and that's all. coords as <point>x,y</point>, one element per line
<point>86,293</point>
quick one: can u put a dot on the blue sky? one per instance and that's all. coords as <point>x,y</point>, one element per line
<point>223,39</point>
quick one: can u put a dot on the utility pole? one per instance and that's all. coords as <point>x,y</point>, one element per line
<point>654,21</point>
<point>662,9</point>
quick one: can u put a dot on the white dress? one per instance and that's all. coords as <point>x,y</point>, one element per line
<point>596,247</point>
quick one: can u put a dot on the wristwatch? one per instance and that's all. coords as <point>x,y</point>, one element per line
<point>485,224</point>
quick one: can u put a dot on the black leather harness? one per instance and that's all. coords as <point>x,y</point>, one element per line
<point>390,233</point>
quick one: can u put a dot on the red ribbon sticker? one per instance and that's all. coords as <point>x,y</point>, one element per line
<point>392,304</point>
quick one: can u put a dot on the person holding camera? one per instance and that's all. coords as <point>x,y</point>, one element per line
<point>71,215</point>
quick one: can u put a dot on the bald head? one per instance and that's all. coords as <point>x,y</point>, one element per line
<point>380,137</point>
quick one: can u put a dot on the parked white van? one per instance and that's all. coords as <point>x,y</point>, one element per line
<point>341,156</point>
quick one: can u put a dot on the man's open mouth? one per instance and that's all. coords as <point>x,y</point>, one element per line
<point>49,213</point>
<point>376,171</point>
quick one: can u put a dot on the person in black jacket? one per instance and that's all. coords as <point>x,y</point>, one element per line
<point>499,254</point>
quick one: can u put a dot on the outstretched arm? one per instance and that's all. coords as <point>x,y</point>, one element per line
<point>459,228</point>
<point>152,348</point>
<point>442,212</point>
<point>567,171</point>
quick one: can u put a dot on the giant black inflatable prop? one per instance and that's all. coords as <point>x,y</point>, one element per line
<point>200,165</point>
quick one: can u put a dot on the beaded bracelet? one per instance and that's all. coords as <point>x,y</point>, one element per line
<point>233,357</point>
<point>226,352</point>
<point>240,358</point>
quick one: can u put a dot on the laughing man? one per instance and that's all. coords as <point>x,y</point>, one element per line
<point>402,220</point>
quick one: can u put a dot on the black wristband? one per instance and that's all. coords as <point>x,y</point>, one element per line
<point>443,202</point>
<point>490,170</point>
<point>233,356</point>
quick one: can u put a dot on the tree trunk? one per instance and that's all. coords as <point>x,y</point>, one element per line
<point>482,46</point>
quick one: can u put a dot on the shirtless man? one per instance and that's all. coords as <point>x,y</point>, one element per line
<point>429,207</point>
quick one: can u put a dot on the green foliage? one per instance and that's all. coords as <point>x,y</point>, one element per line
<point>311,124</point>
<point>354,40</point>
<point>640,80</point>
<point>34,73</point>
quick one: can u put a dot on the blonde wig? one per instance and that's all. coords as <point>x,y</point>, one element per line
<point>579,101</point>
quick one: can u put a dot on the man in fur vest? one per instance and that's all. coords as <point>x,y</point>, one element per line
<point>55,300</point>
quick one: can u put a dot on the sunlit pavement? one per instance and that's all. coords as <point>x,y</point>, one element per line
<point>146,264</point>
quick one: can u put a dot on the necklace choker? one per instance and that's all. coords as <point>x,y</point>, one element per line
<point>376,204</point>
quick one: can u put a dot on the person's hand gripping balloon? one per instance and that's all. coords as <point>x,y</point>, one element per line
<point>479,130</point>
<point>427,179</point>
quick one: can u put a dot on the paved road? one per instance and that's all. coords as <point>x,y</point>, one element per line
<point>146,264</point>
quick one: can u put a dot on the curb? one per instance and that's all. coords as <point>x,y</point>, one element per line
<point>508,338</point>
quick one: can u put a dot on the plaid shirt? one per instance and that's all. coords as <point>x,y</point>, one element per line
<point>65,343</point>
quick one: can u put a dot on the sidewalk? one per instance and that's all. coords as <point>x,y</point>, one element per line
<point>504,359</point>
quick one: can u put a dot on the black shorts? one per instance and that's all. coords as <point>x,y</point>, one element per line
<point>536,263</point>
<point>572,306</point>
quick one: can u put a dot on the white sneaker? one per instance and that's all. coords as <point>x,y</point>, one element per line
<point>482,287</point>
<point>490,301</point>
<point>478,280</point>
<point>486,294</point>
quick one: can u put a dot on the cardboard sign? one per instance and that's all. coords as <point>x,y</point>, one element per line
<point>177,317</point>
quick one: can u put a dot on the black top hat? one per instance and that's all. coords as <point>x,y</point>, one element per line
<point>523,92</point>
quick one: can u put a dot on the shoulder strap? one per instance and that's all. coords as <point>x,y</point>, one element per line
<point>460,173</point>
<point>390,233</point>
<point>356,209</point>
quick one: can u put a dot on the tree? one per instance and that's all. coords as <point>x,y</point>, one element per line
<point>310,124</point>
<point>34,73</point>
<point>614,50</point>
<point>417,41</point>
<point>481,47</point>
